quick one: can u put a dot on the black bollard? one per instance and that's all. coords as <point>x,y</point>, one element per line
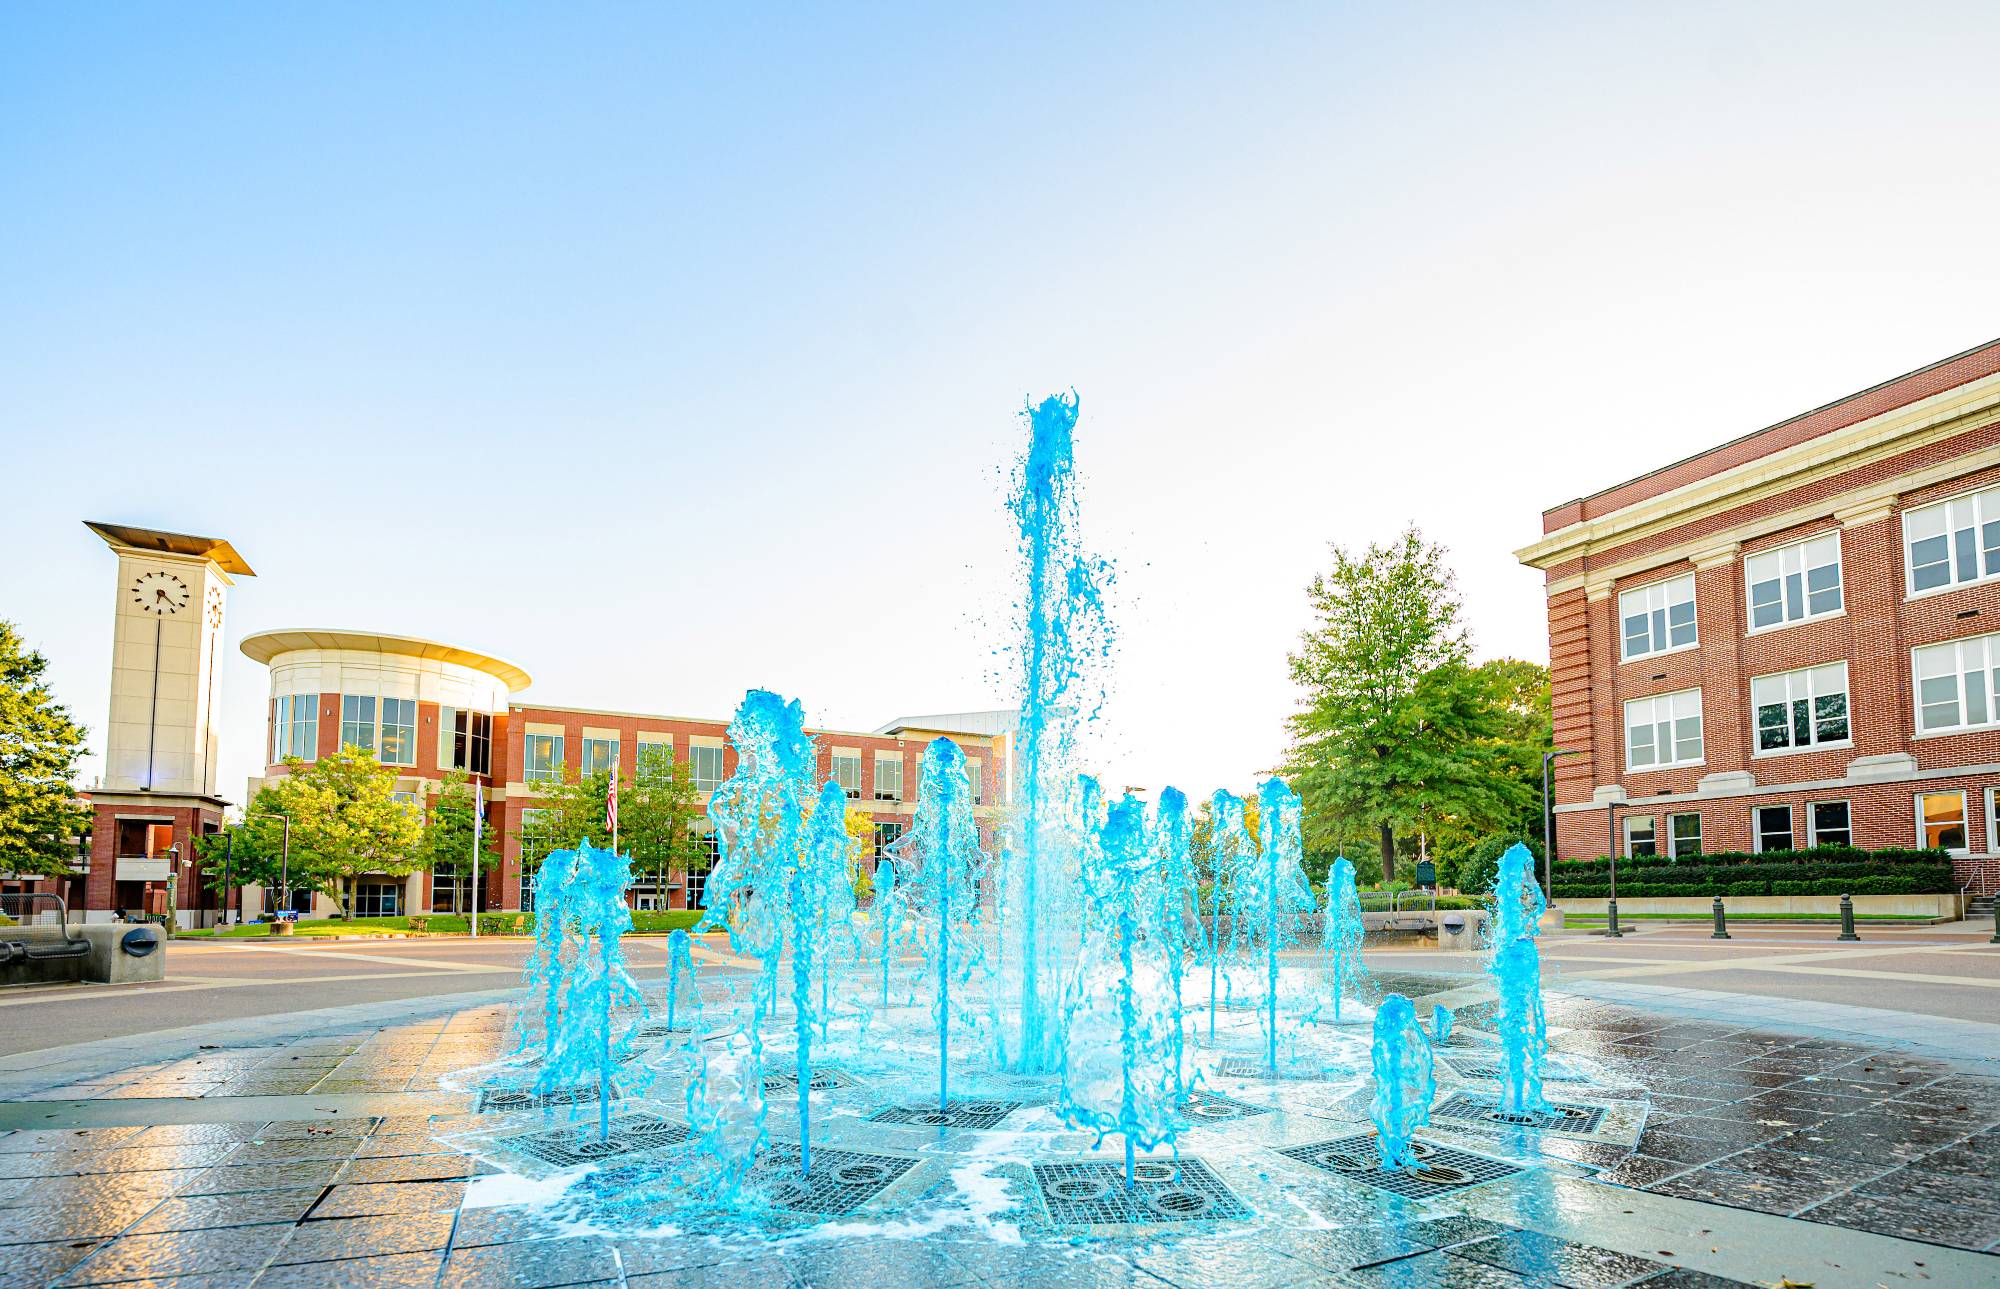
<point>1611,930</point>
<point>1721,922</point>
<point>1847,919</point>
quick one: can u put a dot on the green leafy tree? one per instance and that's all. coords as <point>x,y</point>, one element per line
<point>235,857</point>
<point>449,832</point>
<point>40,813</point>
<point>657,815</point>
<point>345,824</point>
<point>1396,727</point>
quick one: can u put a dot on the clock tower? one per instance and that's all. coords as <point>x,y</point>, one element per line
<point>161,741</point>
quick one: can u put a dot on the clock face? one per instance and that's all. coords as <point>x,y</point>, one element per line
<point>159,593</point>
<point>214,606</point>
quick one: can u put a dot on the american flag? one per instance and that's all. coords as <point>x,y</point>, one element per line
<point>611,807</point>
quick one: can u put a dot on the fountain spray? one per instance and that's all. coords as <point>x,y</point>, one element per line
<point>1063,633</point>
<point>1405,1081</point>
<point>1230,855</point>
<point>1276,894</point>
<point>1174,888</point>
<point>1341,932</point>
<point>941,853</point>
<point>1516,968</point>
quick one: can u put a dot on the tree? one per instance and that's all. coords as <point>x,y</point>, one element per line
<point>345,823</point>
<point>1396,728</point>
<point>860,845</point>
<point>657,815</point>
<point>448,833</point>
<point>40,813</point>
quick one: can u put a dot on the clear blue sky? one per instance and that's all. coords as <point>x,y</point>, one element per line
<point>673,352</point>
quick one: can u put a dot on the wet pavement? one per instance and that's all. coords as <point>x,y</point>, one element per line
<point>1714,1152</point>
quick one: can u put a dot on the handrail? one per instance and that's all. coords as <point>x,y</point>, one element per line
<point>62,910</point>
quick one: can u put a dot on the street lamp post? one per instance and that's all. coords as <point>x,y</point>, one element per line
<point>285,865</point>
<point>1611,930</point>
<point>173,883</point>
<point>1549,820</point>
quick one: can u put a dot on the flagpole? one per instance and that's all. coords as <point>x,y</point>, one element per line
<point>478,809</point>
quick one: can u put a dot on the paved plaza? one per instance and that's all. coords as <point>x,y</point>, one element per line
<point>1708,1133</point>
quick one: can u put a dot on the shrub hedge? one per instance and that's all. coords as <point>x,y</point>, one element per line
<point>1823,870</point>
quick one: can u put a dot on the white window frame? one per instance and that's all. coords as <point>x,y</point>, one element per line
<point>409,731</point>
<point>1964,819</point>
<point>1808,685</point>
<point>1673,702</point>
<point>1673,841</point>
<point>884,761</point>
<point>1757,825</point>
<point>1652,833</point>
<point>1658,598</point>
<point>696,754</point>
<point>850,783</point>
<point>1812,821</point>
<point>374,716</point>
<point>288,730</point>
<point>1784,563</point>
<point>1972,656</point>
<point>531,772</point>
<point>1977,510</point>
<point>584,765</point>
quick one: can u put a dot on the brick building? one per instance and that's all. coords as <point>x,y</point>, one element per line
<point>1792,638</point>
<point>425,709</point>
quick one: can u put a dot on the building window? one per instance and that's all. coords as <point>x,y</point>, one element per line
<point>1830,823</point>
<point>975,773</point>
<point>295,727</point>
<point>706,762</point>
<point>541,756</point>
<point>656,756</point>
<point>847,773</point>
<point>1639,838</point>
<point>527,891</point>
<point>888,778</point>
<point>399,731</point>
<point>466,740</point>
<point>1794,583</point>
<point>451,889</point>
<point>886,835</point>
<point>535,840</point>
<point>1800,709</point>
<point>697,890</point>
<point>599,755</point>
<point>1952,542</point>
<point>357,721</point>
<point>1663,731</point>
<point>1941,821</point>
<point>1957,687</point>
<point>1686,833</point>
<point>408,800</point>
<point>1772,826</point>
<point>378,899</point>
<point>1658,618</point>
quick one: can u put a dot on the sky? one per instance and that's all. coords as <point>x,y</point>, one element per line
<point>672,350</point>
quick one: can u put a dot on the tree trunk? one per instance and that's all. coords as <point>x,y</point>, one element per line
<point>1388,853</point>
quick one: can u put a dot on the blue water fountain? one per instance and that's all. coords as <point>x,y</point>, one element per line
<point>586,982</point>
<point>1405,1081</point>
<point>1272,898</point>
<point>683,989</point>
<point>1341,933</point>
<point>945,864</point>
<point>1173,888</point>
<point>1119,1071</point>
<point>1231,854</point>
<point>1516,968</point>
<point>1064,633</point>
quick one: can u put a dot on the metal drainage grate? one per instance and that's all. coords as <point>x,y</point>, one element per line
<point>1482,1107</point>
<point>840,1181</point>
<point>824,1079</point>
<point>1094,1194</point>
<point>1206,1106</point>
<point>1258,1070</point>
<point>660,1029</point>
<point>499,1099</point>
<point>1493,1070</point>
<point>956,1114</point>
<point>630,1134</point>
<point>1440,1169</point>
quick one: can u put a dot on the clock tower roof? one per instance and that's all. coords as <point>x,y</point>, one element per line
<point>126,537</point>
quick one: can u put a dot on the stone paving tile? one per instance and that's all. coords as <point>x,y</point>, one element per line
<point>238,1248</point>
<point>38,1263</point>
<point>224,1180</point>
<point>764,1273</point>
<point>1558,1261</point>
<point>536,1264</point>
<point>1248,1262</point>
<point>390,1271</point>
<point>40,1139</point>
<point>197,1134</point>
<point>56,1192</point>
<point>1344,1248</point>
<point>1684,1278</point>
<point>358,1237</point>
<point>250,1208</point>
<point>293,1150</point>
<point>414,1168</point>
<point>95,1217</point>
<point>1434,1271</point>
<point>374,1198</point>
<point>1641,1171</point>
<point>1910,1219</point>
